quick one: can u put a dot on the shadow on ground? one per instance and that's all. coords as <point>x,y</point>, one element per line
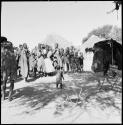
<point>39,95</point>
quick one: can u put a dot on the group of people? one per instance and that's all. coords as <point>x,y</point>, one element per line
<point>45,60</point>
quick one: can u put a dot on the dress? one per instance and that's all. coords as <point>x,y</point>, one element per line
<point>24,64</point>
<point>48,65</point>
<point>32,63</point>
<point>66,63</point>
<point>40,62</point>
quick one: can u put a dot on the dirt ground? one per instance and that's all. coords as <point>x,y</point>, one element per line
<point>38,101</point>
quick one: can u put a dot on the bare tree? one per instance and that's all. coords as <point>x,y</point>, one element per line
<point>117,6</point>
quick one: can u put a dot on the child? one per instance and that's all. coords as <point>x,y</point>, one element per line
<point>59,77</point>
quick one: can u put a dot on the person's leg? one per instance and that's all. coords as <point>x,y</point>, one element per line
<point>11,89</point>
<point>61,86</point>
<point>56,85</point>
<point>35,69</point>
<point>3,86</point>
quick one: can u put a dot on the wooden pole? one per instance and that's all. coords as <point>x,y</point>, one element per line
<point>112,53</point>
<point>117,14</point>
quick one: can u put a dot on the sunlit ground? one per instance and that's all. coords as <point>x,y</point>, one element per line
<point>38,101</point>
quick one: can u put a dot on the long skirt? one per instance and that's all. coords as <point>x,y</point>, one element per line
<point>65,67</point>
<point>48,65</point>
<point>24,66</point>
<point>32,63</point>
<point>40,64</point>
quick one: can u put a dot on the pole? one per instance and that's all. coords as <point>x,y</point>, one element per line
<point>117,14</point>
<point>112,53</point>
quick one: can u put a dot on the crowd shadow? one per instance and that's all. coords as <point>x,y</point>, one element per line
<point>18,79</point>
<point>93,91</point>
<point>92,78</point>
<point>32,96</point>
<point>31,79</point>
<point>38,96</point>
<point>36,99</point>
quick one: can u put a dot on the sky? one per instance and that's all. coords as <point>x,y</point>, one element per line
<point>31,22</point>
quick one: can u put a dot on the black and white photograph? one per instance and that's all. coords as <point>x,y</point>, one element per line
<point>61,62</point>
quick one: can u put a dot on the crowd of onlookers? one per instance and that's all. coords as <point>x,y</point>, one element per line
<point>45,60</point>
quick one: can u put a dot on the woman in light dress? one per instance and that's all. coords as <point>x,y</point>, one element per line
<point>48,63</point>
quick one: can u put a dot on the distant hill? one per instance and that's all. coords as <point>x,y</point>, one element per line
<point>51,39</point>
